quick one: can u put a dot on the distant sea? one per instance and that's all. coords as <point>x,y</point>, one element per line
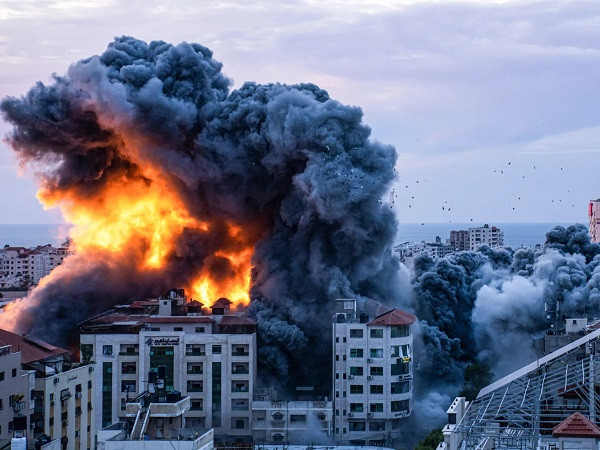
<point>515,234</point>
<point>30,235</point>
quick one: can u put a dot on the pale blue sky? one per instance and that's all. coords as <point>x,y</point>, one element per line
<point>459,88</point>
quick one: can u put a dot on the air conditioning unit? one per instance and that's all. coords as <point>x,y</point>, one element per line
<point>370,377</point>
<point>56,380</point>
<point>90,369</point>
<point>369,359</point>
<point>78,394</point>
<point>369,414</point>
<point>350,377</point>
<point>65,402</point>
<point>350,414</point>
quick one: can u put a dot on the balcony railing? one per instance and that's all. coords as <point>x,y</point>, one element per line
<point>238,389</point>
<point>195,371</point>
<point>240,371</point>
<point>195,353</point>
<point>240,353</point>
<point>129,353</point>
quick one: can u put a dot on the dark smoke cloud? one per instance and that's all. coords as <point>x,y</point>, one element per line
<point>484,305</point>
<point>294,167</point>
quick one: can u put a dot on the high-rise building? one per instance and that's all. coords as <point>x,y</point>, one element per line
<point>485,235</point>
<point>372,373</point>
<point>594,216</point>
<point>209,358</point>
<point>459,239</point>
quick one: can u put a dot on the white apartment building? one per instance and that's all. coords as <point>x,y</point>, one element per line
<point>291,421</point>
<point>16,385</point>
<point>372,374</point>
<point>56,398</point>
<point>594,216</point>
<point>211,359</point>
<point>26,266</point>
<point>485,235</point>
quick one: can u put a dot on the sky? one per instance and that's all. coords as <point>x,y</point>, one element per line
<point>492,106</point>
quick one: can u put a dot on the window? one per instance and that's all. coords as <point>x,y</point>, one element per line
<point>178,329</point>
<point>452,418</point>
<point>356,333</point>
<point>277,416</point>
<point>1,405</point>
<point>356,407</point>
<point>297,418</point>
<point>196,404</point>
<point>1,376</point>
<point>376,353</point>
<point>376,426</point>
<point>240,404</point>
<point>357,371</point>
<point>401,351</point>
<point>400,331</point>
<point>216,349</point>
<point>195,386</point>
<point>14,372</point>
<point>107,350</point>
<point>128,386</point>
<point>400,387</point>
<point>89,384</point>
<point>337,357</point>
<point>356,389</point>
<point>51,398</point>
<point>199,329</point>
<point>376,332</point>
<point>356,353</point>
<point>128,368</point>
<point>239,424</point>
<point>195,368</point>
<point>400,405</point>
<point>377,389</point>
<point>356,426</point>
<point>376,407</point>
<point>337,340</point>
<point>376,371</point>
<point>51,421</point>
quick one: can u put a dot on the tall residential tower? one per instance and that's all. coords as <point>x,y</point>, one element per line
<point>372,373</point>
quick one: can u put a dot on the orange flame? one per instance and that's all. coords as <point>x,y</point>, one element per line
<point>148,216</point>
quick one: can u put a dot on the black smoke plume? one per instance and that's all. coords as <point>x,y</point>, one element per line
<point>294,167</point>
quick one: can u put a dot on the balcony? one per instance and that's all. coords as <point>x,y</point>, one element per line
<point>239,389</point>
<point>240,352</point>
<point>129,353</point>
<point>195,353</point>
<point>240,371</point>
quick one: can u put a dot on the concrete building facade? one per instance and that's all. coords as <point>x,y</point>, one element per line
<point>372,374</point>
<point>57,395</point>
<point>21,266</point>
<point>485,235</point>
<point>211,359</point>
<point>459,240</point>
<point>16,385</point>
<point>594,217</point>
<point>276,422</point>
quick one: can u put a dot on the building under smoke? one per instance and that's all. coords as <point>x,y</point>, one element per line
<point>525,409</point>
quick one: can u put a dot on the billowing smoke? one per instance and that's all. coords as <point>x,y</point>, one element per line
<point>184,176</point>
<point>484,306</point>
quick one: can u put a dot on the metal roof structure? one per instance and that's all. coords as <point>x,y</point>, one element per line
<point>519,410</point>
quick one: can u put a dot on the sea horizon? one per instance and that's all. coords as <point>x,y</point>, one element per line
<point>516,234</point>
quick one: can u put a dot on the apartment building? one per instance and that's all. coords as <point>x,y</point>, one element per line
<point>306,421</point>
<point>56,396</point>
<point>594,217</point>
<point>485,235</point>
<point>25,266</point>
<point>16,385</point>
<point>459,239</point>
<point>209,358</point>
<point>372,373</point>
